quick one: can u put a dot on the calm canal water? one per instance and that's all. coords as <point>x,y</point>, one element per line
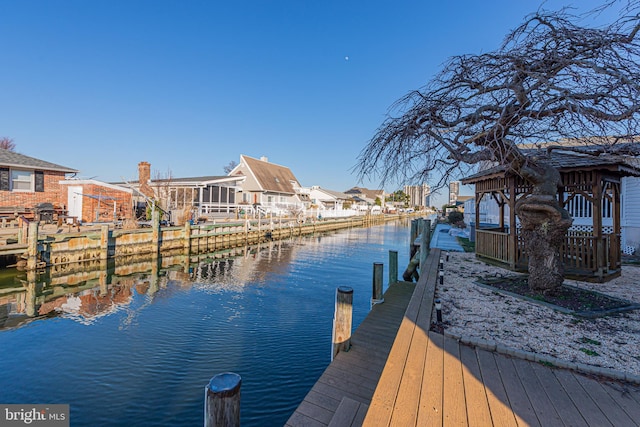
<point>135,346</point>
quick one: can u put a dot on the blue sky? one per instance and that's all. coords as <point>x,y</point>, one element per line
<point>188,86</point>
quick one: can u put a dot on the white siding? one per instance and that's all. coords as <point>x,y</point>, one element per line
<point>630,212</point>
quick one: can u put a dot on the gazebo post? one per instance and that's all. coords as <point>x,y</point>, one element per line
<point>513,230</point>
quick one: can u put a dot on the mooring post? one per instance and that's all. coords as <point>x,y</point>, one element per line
<point>376,294</point>
<point>30,296</point>
<point>427,229</point>
<point>424,244</point>
<point>32,245</point>
<point>104,241</point>
<point>412,240</point>
<point>393,267</point>
<point>342,320</point>
<point>187,238</point>
<point>222,401</point>
<point>155,235</point>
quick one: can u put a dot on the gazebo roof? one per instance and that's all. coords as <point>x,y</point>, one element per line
<point>566,161</point>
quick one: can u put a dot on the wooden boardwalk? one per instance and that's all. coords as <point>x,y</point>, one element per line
<point>432,380</point>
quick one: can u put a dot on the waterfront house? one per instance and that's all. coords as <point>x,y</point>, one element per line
<point>186,198</point>
<point>366,199</point>
<point>26,182</point>
<point>328,199</point>
<point>591,192</point>
<point>270,188</point>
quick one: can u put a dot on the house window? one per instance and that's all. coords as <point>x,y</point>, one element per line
<point>21,180</point>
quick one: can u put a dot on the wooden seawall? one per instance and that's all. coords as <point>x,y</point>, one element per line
<point>104,242</point>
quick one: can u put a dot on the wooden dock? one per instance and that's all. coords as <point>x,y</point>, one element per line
<point>353,375</point>
<point>432,380</point>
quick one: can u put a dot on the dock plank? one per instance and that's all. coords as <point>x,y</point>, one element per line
<point>411,382</point>
<point>501,412</point>
<point>430,409</point>
<point>542,406</point>
<point>614,413</point>
<point>624,396</point>
<point>562,403</point>
<point>581,398</point>
<point>478,413</point>
<point>518,399</point>
<point>454,407</point>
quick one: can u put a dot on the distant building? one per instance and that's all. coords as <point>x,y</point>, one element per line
<point>364,197</point>
<point>419,195</point>
<point>454,192</point>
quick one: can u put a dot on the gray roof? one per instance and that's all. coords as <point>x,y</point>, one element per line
<point>13,159</point>
<point>567,161</point>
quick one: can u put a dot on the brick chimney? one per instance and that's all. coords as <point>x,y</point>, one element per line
<point>144,177</point>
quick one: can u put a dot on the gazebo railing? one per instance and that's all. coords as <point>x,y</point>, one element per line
<point>493,244</point>
<point>582,253</point>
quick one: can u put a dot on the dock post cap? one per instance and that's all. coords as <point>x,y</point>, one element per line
<point>226,382</point>
<point>345,289</point>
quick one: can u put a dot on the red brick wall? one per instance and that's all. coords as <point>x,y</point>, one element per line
<point>53,193</point>
<point>90,204</point>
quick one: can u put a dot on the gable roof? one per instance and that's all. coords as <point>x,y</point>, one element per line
<point>369,194</point>
<point>13,159</point>
<point>271,177</point>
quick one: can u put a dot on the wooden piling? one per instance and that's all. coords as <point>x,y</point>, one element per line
<point>32,246</point>
<point>393,267</point>
<point>342,320</point>
<point>424,243</point>
<point>222,401</point>
<point>155,234</point>
<point>376,293</point>
<point>104,242</point>
<point>187,239</point>
<point>412,239</point>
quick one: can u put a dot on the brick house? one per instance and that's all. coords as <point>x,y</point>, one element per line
<point>26,182</point>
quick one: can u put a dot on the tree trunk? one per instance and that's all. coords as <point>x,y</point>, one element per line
<point>544,226</point>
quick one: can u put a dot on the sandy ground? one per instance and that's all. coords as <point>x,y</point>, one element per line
<point>472,311</point>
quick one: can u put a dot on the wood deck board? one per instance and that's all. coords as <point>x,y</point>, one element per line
<point>430,407</point>
<point>587,407</point>
<point>624,396</point>
<point>516,395</point>
<point>478,413</point>
<point>411,382</point>
<point>542,406</point>
<point>614,413</point>
<point>345,414</point>
<point>501,412</point>
<point>563,404</point>
<point>454,408</point>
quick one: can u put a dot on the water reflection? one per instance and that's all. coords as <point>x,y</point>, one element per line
<point>86,291</point>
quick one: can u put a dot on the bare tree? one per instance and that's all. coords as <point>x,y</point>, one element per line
<point>7,143</point>
<point>228,168</point>
<point>551,79</point>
